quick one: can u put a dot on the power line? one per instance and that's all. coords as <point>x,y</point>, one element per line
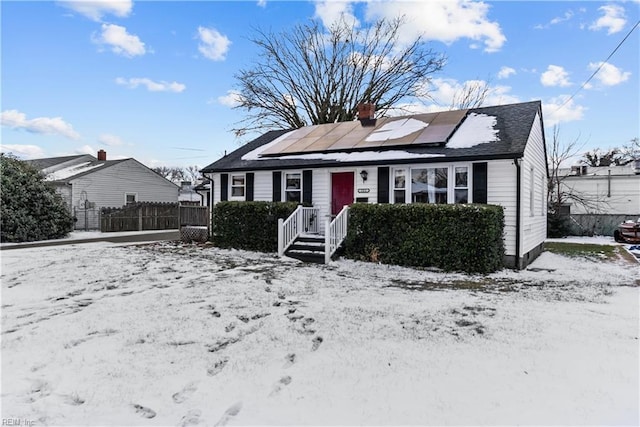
<point>599,67</point>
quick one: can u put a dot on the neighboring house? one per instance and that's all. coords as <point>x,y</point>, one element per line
<point>204,190</point>
<point>611,194</point>
<point>189,195</point>
<point>494,155</point>
<point>87,184</point>
<point>195,194</point>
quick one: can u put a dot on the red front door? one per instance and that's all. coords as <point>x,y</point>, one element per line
<point>341,191</point>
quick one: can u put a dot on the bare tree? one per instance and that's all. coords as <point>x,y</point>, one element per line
<point>613,156</point>
<point>471,95</point>
<point>598,157</point>
<point>631,150</point>
<point>173,174</point>
<point>561,194</point>
<point>306,76</point>
<point>192,173</point>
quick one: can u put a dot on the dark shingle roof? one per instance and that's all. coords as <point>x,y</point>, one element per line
<point>52,161</point>
<point>513,123</point>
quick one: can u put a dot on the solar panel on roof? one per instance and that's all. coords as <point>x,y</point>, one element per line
<point>419,129</point>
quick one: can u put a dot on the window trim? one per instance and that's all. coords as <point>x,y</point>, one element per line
<point>532,192</point>
<point>283,196</point>
<point>135,196</point>
<point>243,186</point>
<point>543,197</point>
<point>392,184</point>
<point>451,185</point>
<point>436,166</point>
<point>468,187</point>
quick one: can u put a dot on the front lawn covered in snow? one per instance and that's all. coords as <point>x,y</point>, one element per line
<point>172,334</point>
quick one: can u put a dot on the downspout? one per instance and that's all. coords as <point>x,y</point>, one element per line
<point>518,213</point>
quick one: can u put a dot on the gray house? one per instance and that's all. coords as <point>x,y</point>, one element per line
<point>88,183</point>
<point>493,155</point>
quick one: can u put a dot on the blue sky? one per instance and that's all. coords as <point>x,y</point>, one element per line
<point>154,80</point>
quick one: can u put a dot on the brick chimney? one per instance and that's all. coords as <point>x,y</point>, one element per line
<point>102,155</point>
<point>366,113</point>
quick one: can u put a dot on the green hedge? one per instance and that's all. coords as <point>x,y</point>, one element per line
<point>30,209</point>
<point>252,226</point>
<point>466,238</point>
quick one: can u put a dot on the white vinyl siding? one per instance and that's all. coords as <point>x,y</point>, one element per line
<point>501,190</point>
<point>624,198</point>
<point>107,186</point>
<point>534,219</point>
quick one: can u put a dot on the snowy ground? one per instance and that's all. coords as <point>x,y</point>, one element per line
<point>166,334</point>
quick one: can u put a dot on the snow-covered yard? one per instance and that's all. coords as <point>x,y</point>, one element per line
<point>169,334</point>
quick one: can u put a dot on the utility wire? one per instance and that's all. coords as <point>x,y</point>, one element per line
<point>598,69</point>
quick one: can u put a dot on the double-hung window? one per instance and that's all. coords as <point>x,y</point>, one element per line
<point>461,184</point>
<point>429,185</point>
<point>293,187</point>
<point>130,198</point>
<point>237,185</point>
<point>399,185</point>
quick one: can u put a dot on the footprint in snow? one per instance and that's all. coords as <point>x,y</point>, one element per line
<point>231,412</point>
<point>143,411</point>
<point>185,393</point>
<point>316,343</point>
<point>218,366</point>
<point>283,382</point>
<point>191,418</point>
<point>290,359</point>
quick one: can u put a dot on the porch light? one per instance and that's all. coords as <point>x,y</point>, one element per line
<point>364,174</point>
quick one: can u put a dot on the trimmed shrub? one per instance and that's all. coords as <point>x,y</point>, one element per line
<point>464,238</point>
<point>558,224</point>
<point>252,226</point>
<point>31,209</point>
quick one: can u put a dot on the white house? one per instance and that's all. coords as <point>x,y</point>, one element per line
<point>613,190</point>
<point>493,155</point>
<point>612,195</point>
<point>87,184</point>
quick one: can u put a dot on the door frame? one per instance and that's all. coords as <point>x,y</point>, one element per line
<point>353,187</point>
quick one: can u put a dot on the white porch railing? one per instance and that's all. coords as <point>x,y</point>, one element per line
<point>302,220</point>
<point>335,233</point>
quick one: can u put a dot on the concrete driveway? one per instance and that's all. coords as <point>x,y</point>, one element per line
<point>78,237</point>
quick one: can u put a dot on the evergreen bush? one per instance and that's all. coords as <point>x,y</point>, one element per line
<point>251,226</point>
<point>31,209</point>
<point>467,238</point>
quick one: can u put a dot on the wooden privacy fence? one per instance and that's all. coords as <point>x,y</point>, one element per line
<point>194,215</point>
<point>152,216</point>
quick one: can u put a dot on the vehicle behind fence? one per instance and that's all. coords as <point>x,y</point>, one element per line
<point>152,216</point>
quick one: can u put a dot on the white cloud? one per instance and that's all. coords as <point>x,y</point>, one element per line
<point>609,75</point>
<point>331,12</point>
<point>567,15</point>
<point>110,140</point>
<point>85,149</point>
<point>443,20</point>
<point>613,19</point>
<point>443,91</point>
<point>231,99</point>
<point>213,45</point>
<point>96,9</point>
<point>558,110</point>
<point>505,72</point>
<point>121,42</point>
<point>555,76</point>
<point>262,3</point>
<point>23,151</point>
<point>152,86</point>
<point>44,125</point>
